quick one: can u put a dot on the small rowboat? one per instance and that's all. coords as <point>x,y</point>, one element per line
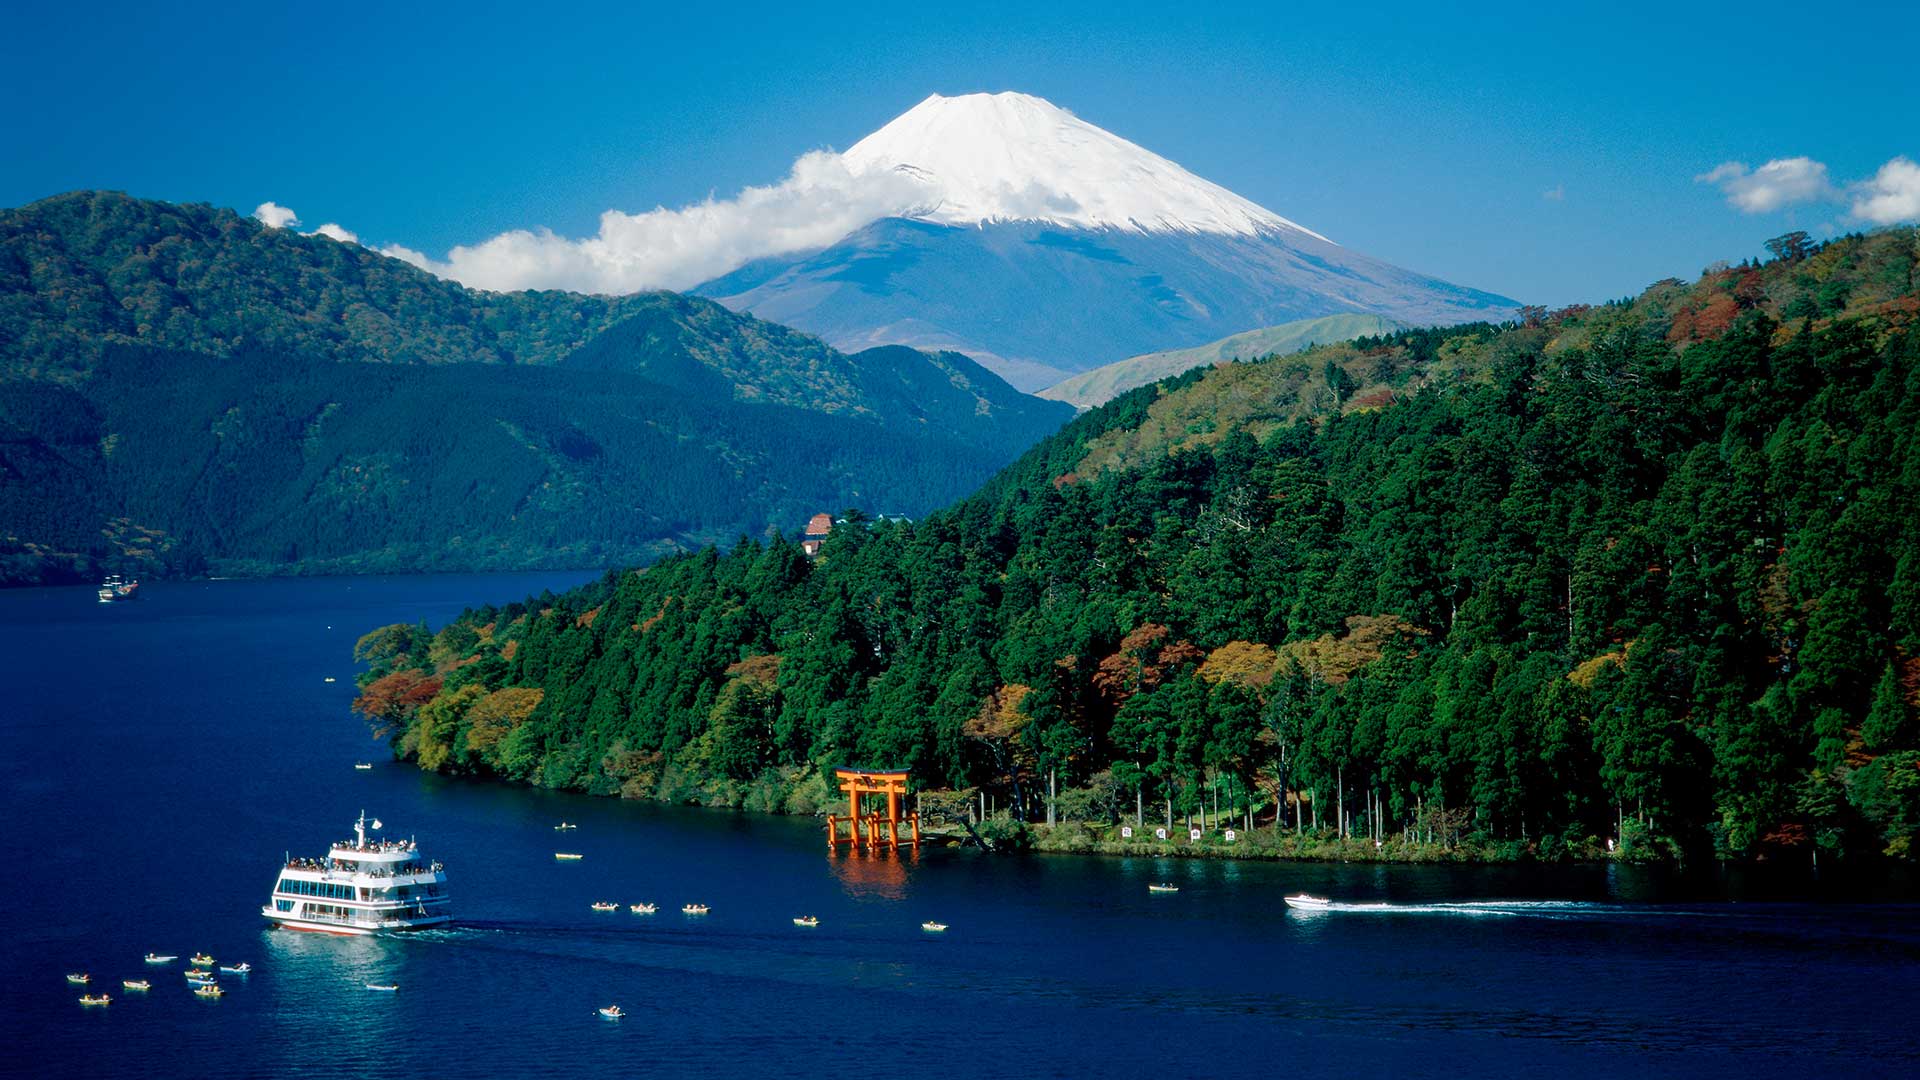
<point>605,906</point>
<point>643,909</point>
<point>363,766</point>
<point>210,990</point>
<point>327,679</point>
<point>612,1012</point>
<point>1304,902</point>
<point>1163,887</point>
<point>807,920</point>
<point>208,981</point>
<point>384,988</point>
<point>136,984</point>
<point>80,978</point>
<point>156,958</point>
<point>564,826</point>
<point>694,909</point>
<point>199,973</point>
<point>932,927</point>
<point>237,969</point>
<point>567,856</point>
<point>91,999</point>
<point>200,959</point>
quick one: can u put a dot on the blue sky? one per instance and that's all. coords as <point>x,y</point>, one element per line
<point>1545,152</point>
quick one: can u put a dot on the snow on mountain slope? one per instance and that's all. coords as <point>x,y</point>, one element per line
<point>988,158</point>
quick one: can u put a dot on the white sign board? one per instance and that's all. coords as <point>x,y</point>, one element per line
<point>1230,836</point>
<point>1126,832</point>
<point>1160,834</point>
<point>1193,834</point>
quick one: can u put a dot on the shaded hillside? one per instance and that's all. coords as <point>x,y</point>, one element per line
<point>318,386</point>
<point>1635,573</point>
<point>1103,384</point>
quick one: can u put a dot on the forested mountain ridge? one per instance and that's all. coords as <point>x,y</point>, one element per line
<point>1640,573</point>
<point>182,388</point>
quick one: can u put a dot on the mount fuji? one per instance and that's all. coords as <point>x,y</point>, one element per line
<point>1042,245</point>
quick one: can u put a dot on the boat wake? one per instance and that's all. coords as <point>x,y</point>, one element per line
<point>1535,909</point>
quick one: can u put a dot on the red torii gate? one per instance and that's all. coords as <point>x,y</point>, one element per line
<point>863,828</point>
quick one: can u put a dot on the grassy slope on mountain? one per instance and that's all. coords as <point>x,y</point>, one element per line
<point>1623,571</point>
<point>1102,384</point>
<point>736,424</point>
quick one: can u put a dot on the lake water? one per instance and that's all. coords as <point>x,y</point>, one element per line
<point>158,758</point>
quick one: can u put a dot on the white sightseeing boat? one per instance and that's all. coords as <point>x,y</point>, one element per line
<point>364,886</point>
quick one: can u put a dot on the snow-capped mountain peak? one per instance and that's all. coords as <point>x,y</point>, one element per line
<point>986,158</point>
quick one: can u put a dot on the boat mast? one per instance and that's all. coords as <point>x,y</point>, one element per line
<point>360,831</point>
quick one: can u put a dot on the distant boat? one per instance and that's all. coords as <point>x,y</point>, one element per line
<point>612,1012</point>
<point>695,909</point>
<point>237,969</point>
<point>156,958</point>
<point>807,920</point>
<point>80,978</point>
<point>204,981</point>
<point>209,991</point>
<point>932,927</point>
<point>564,826</point>
<point>90,999</point>
<point>115,589</point>
<point>1163,886</point>
<point>567,856</point>
<point>199,973</point>
<point>136,984</point>
<point>363,765</point>
<point>384,988</point>
<point>1308,903</point>
<point>605,906</point>
<point>200,959</point>
<point>643,909</point>
<point>327,679</point>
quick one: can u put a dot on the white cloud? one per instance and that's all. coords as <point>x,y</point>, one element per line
<point>275,216</point>
<point>336,232</point>
<point>1892,196</point>
<point>819,202</point>
<point>1779,183</point>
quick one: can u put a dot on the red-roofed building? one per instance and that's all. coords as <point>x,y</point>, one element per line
<point>818,526</point>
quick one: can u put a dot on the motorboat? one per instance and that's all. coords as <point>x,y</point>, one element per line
<point>1303,902</point>
<point>567,856</point>
<point>200,959</point>
<point>932,927</point>
<point>1163,887</point>
<point>211,990</point>
<point>93,999</point>
<point>384,988</point>
<point>612,1012</point>
<point>605,906</point>
<point>236,969</point>
<point>80,978</point>
<point>136,984</point>
<point>643,909</point>
<point>156,958</point>
<point>565,826</point>
<point>694,909</point>
<point>807,920</point>
<point>364,885</point>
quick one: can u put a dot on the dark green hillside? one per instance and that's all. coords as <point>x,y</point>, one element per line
<point>1645,573</point>
<point>182,388</point>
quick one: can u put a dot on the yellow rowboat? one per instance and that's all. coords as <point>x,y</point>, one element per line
<point>567,856</point>
<point>200,959</point>
<point>210,990</point>
<point>1163,887</point>
<point>807,920</point>
<point>90,999</point>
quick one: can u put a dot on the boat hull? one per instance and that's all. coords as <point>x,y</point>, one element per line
<point>347,930</point>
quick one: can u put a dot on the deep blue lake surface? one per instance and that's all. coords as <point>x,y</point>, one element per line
<point>157,759</point>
